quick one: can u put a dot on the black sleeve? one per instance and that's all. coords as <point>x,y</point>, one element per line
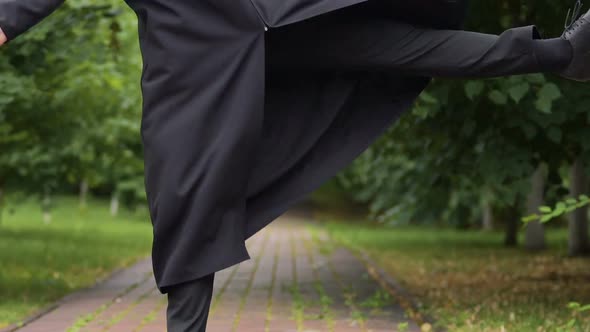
<point>17,16</point>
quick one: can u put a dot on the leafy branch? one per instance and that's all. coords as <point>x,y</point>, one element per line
<point>548,213</point>
<point>574,323</point>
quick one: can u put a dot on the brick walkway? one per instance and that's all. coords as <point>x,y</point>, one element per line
<point>295,281</point>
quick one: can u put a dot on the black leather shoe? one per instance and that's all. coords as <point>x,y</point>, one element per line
<point>577,32</point>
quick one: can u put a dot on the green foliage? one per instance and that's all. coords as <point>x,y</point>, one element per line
<point>403,327</point>
<point>70,102</point>
<point>546,96</point>
<point>575,323</point>
<point>548,213</point>
<point>379,300</point>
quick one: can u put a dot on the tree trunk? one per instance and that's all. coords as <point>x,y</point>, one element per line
<point>1,204</point>
<point>83,194</point>
<point>511,218</point>
<point>488,217</point>
<point>578,219</point>
<point>46,207</point>
<point>535,232</point>
<point>114,204</point>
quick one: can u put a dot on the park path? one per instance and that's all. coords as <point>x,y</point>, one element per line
<point>295,281</point>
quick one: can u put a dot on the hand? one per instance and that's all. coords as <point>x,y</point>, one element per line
<point>3,38</point>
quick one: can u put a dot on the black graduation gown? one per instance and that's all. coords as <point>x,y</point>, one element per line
<point>228,146</point>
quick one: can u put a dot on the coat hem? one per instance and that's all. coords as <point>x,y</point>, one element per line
<point>257,222</point>
<point>222,265</point>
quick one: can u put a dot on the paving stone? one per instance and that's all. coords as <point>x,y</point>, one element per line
<point>290,285</point>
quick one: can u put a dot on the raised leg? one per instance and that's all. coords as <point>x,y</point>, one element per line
<point>437,14</point>
<point>341,42</point>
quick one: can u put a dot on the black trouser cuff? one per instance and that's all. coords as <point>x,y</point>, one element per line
<point>553,54</point>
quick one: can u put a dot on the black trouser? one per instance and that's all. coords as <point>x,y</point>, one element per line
<point>346,42</point>
<point>188,305</point>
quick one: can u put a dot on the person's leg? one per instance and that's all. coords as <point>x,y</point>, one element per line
<point>437,14</point>
<point>188,305</point>
<point>378,44</point>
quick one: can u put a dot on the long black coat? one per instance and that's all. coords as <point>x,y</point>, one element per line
<point>229,146</point>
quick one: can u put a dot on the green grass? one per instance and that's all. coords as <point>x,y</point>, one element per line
<point>469,282</point>
<point>41,263</point>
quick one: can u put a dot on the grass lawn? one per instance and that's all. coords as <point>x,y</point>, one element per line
<point>41,263</point>
<point>468,281</point>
